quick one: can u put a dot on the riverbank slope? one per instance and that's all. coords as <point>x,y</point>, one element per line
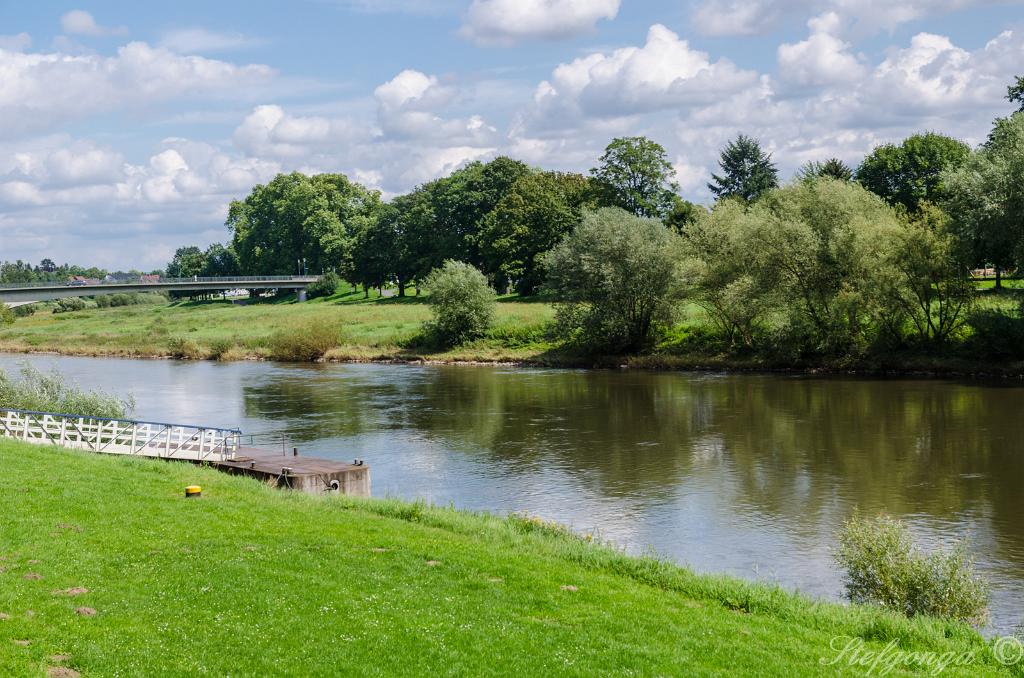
<point>107,569</point>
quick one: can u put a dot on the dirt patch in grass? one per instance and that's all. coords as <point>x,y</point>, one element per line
<point>73,591</point>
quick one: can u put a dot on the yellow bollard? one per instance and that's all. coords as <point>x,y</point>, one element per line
<point>193,491</point>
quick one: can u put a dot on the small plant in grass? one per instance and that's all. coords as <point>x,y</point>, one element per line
<point>6,315</point>
<point>883,566</point>
<point>462,303</point>
<point>306,342</point>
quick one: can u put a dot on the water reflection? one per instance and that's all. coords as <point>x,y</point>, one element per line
<point>749,474</point>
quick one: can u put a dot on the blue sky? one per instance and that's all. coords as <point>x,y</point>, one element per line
<point>128,127</point>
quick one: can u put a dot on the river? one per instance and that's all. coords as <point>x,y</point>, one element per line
<point>749,475</point>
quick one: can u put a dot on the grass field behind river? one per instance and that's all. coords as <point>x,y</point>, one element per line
<point>391,329</point>
<point>378,328</point>
<point>106,569</point>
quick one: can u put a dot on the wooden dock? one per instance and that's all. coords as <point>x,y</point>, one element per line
<point>218,447</point>
<point>300,473</point>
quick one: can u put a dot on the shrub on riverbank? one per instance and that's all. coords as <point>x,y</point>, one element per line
<point>184,349</point>
<point>883,566</point>
<point>49,392</point>
<point>462,303</point>
<point>306,342</point>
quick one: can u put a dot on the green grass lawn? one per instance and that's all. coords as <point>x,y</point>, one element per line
<point>253,581</point>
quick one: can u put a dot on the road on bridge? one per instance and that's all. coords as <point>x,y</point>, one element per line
<point>15,294</point>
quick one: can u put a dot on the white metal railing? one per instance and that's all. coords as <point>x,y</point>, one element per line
<point>121,436</point>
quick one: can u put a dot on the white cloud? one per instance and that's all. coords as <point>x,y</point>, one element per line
<point>504,22</point>
<point>45,89</point>
<point>80,22</point>
<point>408,109</point>
<point>821,59</point>
<point>15,43</point>
<point>823,101</point>
<point>412,90</point>
<point>860,17</point>
<point>62,198</point>
<point>665,73</point>
<point>690,177</point>
<point>269,132</point>
<point>202,40</point>
<point>410,140</point>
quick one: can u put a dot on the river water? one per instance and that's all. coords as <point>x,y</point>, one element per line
<point>749,475</point>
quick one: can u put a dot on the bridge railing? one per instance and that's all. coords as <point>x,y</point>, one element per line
<point>228,280</point>
<point>121,436</point>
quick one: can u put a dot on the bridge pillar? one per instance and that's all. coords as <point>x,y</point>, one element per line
<point>302,294</point>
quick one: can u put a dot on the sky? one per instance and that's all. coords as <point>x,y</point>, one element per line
<point>127,128</point>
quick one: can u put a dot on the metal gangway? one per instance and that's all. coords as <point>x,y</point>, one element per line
<point>121,436</point>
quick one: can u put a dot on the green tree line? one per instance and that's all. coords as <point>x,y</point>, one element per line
<point>502,216</point>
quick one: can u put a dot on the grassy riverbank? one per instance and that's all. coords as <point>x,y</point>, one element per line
<point>373,329</point>
<point>352,328</point>
<point>252,581</point>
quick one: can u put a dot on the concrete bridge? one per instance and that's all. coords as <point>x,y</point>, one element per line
<point>16,294</point>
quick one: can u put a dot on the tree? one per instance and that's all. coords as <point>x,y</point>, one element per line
<point>297,222</point>
<point>1015,93</point>
<point>730,281</point>
<point>810,256</point>
<point>911,173</point>
<point>616,277</point>
<point>382,250</point>
<point>47,266</point>
<point>446,216</point>
<point>220,261</point>
<point>824,243</point>
<point>833,168</point>
<point>747,171</point>
<point>927,286</point>
<point>684,214</point>
<point>530,219</point>
<point>462,303</point>
<point>635,174</point>
<point>985,198</point>
<point>424,246</point>
<point>188,262</point>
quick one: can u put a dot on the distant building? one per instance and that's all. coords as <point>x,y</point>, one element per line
<point>148,278</point>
